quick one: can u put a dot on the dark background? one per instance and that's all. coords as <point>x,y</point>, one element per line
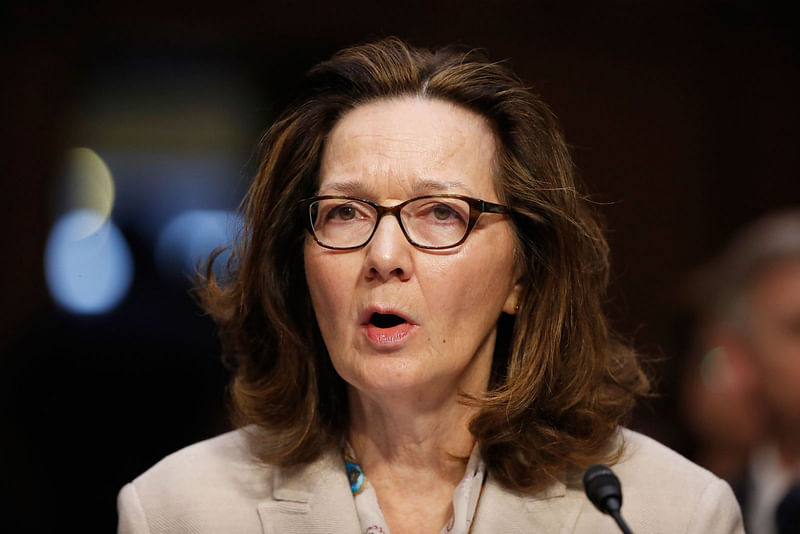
<point>683,121</point>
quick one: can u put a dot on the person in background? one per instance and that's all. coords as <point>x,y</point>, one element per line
<point>741,396</point>
<point>415,325</point>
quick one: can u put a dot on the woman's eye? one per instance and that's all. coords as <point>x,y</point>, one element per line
<point>343,213</point>
<point>442,213</point>
<point>346,213</point>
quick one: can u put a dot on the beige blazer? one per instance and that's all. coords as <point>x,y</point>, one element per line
<point>216,487</point>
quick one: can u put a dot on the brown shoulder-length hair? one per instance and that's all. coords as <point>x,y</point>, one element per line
<point>561,384</point>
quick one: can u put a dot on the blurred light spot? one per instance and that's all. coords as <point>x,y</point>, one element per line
<point>88,265</point>
<point>86,185</point>
<point>186,241</point>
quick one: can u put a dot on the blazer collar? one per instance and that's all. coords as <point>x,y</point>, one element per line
<point>313,497</point>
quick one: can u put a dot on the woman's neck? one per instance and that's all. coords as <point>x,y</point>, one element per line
<point>436,439</point>
<point>414,459</point>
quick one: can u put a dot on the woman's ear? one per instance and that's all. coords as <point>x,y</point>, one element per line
<point>512,303</point>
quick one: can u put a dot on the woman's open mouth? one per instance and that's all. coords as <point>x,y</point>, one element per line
<point>386,330</point>
<point>385,320</point>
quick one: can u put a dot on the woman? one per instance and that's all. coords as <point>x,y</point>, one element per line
<point>414,319</point>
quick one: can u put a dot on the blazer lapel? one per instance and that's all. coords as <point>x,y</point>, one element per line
<point>553,510</point>
<point>311,498</point>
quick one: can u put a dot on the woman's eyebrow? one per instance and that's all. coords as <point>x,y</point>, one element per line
<point>426,187</point>
<point>418,188</point>
<point>349,188</point>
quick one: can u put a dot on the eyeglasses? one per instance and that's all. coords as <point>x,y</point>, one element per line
<point>429,222</point>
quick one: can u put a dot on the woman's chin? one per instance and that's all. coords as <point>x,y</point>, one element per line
<point>395,378</point>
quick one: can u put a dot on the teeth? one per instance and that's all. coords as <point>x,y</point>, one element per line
<point>386,320</point>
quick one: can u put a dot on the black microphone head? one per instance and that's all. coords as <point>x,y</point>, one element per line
<point>603,488</point>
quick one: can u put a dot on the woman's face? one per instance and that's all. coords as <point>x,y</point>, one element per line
<point>443,305</point>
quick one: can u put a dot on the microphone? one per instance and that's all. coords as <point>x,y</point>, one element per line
<point>603,489</point>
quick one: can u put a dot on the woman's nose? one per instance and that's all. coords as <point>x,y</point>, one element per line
<point>388,253</point>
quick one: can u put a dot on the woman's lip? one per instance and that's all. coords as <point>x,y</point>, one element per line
<point>388,337</point>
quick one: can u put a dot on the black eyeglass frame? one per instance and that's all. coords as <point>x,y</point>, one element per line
<point>476,208</point>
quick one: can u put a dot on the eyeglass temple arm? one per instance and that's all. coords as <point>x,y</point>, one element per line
<point>491,207</point>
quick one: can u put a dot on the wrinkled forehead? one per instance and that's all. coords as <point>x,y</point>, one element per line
<point>410,145</point>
